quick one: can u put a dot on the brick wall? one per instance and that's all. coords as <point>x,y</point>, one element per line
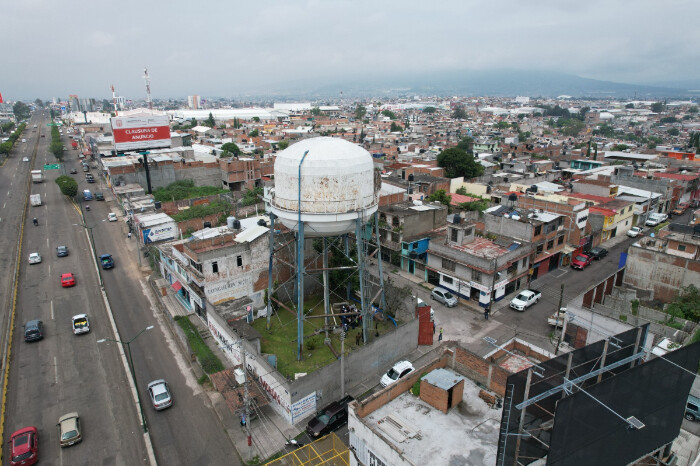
<point>196,224</point>
<point>474,367</point>
<point>438,398</point>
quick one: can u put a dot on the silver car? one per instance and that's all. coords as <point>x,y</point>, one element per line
<point>160,394</point>
<point>444,296</point>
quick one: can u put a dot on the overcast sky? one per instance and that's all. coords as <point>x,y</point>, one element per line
<point>230,48</point>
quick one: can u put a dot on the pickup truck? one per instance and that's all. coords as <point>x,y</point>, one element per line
<point>525,299</point>
<point>35,200</point>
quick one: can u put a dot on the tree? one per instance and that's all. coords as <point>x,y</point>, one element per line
<point>21,111</point>
<point>389,113</point>
<point>670,119</point>
<point>687,304</point>
<point>693,110</point>
<point>466,144</point>
<point>620,147</point>
<point>254,134</point>
<point>657,107</point>
<point>429,110</point>
<point>441,196</point>
<point>67,185</point>
<point>210,121</point>
<point>502,125</point>
<point>673,132</point>
<point>256,119</point>
<point>461,190</point>
<point>459,113</point>
<point>56,148</point>
<point>572,127</point>
<point>315,111</point>
<point>360,112</point>
<point>283,144</point>
<point>395,128</point>
<point>38,102</point>
<point>630,105</point>
<point>457,162</point>
<point>5,147</point>
<point>231,148</point>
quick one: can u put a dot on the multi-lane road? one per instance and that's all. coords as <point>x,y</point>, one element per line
<point>64,372</point>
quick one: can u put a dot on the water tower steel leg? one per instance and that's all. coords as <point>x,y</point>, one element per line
<point>269,269</point>
<point>379,259</point>
<point>300,291</point>
<point>348,291</point>
<point>361,273</point>
<point>326,294</point>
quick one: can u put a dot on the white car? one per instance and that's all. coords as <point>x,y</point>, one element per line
<point>34,258</point>
<point>112,217</point>
<point>634,232</point>
<point>81,324</point>
<point>25,159</point>
<point>399,370</point>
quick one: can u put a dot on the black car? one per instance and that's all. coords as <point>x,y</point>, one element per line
<point>598,253</point>
<point>73,171</point>
<point>33,330</point>
<point>62,251</point>
<point>99,196</point>
<point>329,418</point>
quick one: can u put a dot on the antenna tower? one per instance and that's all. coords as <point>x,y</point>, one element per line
<point>148,89</point>
<point>114,99</point>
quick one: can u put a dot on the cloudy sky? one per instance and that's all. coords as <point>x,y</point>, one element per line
<point>233,48</point>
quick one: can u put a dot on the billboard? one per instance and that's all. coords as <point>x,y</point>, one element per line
<point>140,131</point>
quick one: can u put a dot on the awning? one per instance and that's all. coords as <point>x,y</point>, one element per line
<point>568,249</point>
<point>176,285</point>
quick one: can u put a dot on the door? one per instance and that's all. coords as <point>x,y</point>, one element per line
<point>411,266</point>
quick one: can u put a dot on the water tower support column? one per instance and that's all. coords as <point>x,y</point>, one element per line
<point>270,284</point>
<point>326,297</point>
<point>300,291</point>
<point>361,271</point>
<point>379,259</point>
<point>348,286</point>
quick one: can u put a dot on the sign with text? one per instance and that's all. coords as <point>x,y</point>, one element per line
<point>140,131</point>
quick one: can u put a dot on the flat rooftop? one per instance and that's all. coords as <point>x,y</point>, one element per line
<point>467,434</point>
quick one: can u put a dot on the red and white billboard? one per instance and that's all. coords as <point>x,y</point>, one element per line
<point>140,131</point>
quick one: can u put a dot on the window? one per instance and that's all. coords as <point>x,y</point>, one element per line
<point>512,268</point>
<point>540,248</point>
<point>448,265</point>
<point>538,230</point>
<point>196,265</point>
<point>550,244</point>
<point>681,247</point>
<point>447,280</point>
<point>524,261</point>
<point>239,261</point>
<point>404,246</point>
<point>476,275</point>
<point>214,267</point>
<point>560,240</point>
<point>453,235</point>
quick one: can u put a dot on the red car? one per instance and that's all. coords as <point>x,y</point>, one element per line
<point>67,279</point>
<point>581,261</point>
<point>24,445</point>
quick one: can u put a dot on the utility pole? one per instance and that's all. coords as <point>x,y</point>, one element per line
<point>561,301</point>
<point>342,364</point>
<point>246,403</point>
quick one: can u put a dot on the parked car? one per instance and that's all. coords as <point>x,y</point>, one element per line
<point>25,159</point>
<point>444,296</point>
<point>107,261</point>
<point>160,394</point>
<point>598,253</point>
<point>62,251</point>
<point>655,219</point>
<point>634,232</point>
<point>35,258</point>
<point>680,209</point>
<point>81,324</point>
<point>69,431</point>
<point>399,370</point>
<point>33,330</point>
<point>67,280</point>
<point>24,447</point>
<point>581,261</point>
<point>525,299</point>
<point>112,217</point>
<point>692,408</point>
<point>329,418</point>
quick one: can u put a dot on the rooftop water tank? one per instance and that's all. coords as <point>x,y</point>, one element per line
<point>229,222</point>
<point>338,185</point>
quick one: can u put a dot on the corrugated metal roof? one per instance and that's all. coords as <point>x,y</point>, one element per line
<point>249,235</point>
<point>442,378</point>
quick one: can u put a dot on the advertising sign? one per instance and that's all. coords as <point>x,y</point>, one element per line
<point>159,233</point>
<point>140,131</point>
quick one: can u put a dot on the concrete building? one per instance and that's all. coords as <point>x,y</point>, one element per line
<point>193,102</point>
<point>575,214</point>
<point>474,267</point>
<point>240,174</point>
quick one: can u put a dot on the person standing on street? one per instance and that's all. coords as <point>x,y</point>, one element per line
<point>487,311</point>
<point>433,327</point>
<point>440,335</point>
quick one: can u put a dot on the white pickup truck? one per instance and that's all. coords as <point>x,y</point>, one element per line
<point>35,200</point>
<point>525,299</point>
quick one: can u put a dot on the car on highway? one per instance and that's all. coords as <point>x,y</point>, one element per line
<point>99,196</point>
<point>525,299</point>
<point>67,280</point>
<point>25,159</point>
<point>24,447</point>
<point>112,217</point>
<point>87,195</point>
<point>443,296</point>
<point>81,324</point>
<point>73,171</point>
<point>160,395</point>
<point>33,330</point>
<point>35,258</point>
<point>69,431</point>
<point>107,261</point>
<point>598,253</point>
<point>581,261</point>
<point>89,178</point>
<point>634,232</point>
<point>329,418</point>
<point>62,251</point>
<point>399,370</point>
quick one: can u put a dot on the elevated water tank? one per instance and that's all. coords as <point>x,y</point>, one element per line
<point>338,185</point>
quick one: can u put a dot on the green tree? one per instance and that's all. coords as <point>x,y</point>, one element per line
<point>21,111</point>
<point>620,147</point>
<point>461,191</point>
<point>231,148</point>
<point>457,162</point>
<point>254,134</point>
<point>53,114</point>
<point>466,144</point>
<point>693,110</point>
<point>315,111</point>
<point>38,102</point>
<point>572,127</point>
<point>67,185</point>
<point>395,128</point>
<point>657,107</point>
<point>429,110</point>
<point>56,148</point>
<point>502,125</point>
<point>630,105</point>
<point>441,196</point>
<point>210,121</point>
<point>687,304</point>
<point>5,147</point>
<point>673,132</point>
<point>389,114</point>
<point>360,112</point>
<point>283,144</point>
<point>670,119</point>
<point>7,126</point>
<point>256,119</point>
<point>459,113</point>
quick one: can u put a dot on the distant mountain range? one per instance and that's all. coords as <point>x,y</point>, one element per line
<point>485,83</point>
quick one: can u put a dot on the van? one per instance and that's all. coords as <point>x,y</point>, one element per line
<point>655,219</point>
<point>692,408</point>
<point>33,330</point>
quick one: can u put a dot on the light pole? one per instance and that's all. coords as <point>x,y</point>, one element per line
<point>131,367</point>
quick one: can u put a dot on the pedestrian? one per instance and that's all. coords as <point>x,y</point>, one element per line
<point>433,327</point>
<point>243,420</point>
<point>128,235</point>
<point>487,311</point>
<point>440,335</point>
<point>358,337</point>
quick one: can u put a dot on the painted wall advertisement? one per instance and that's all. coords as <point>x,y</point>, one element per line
<point>304,407</point>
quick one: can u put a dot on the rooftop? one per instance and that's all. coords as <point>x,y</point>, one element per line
<point>462,436</point>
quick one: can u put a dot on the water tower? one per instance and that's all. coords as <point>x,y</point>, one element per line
<point>324,189</point>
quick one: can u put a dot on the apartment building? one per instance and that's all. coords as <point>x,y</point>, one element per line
<point>574,211</point>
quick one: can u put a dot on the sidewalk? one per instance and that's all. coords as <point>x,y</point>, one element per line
<point>269,431</point>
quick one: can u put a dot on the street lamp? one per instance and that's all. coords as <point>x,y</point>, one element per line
<point>131,366</point>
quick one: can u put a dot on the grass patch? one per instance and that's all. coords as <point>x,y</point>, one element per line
<point>415,388</point>
<point>203,379</point>
<point>208,360</point>
<point>660,226</point>
<point>623,318</point>
<point>203,210</point>
<point>185,189</point>
<point>281,339</point>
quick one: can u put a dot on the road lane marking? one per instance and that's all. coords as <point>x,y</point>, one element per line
<point>52,318</point>
<point>3,204</point>
<point>55,370</point>
<point>47,242</point>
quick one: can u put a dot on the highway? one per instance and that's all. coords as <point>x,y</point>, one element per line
<point>64,372</point>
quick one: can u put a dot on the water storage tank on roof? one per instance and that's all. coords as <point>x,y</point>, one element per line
<point>338,185</point>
